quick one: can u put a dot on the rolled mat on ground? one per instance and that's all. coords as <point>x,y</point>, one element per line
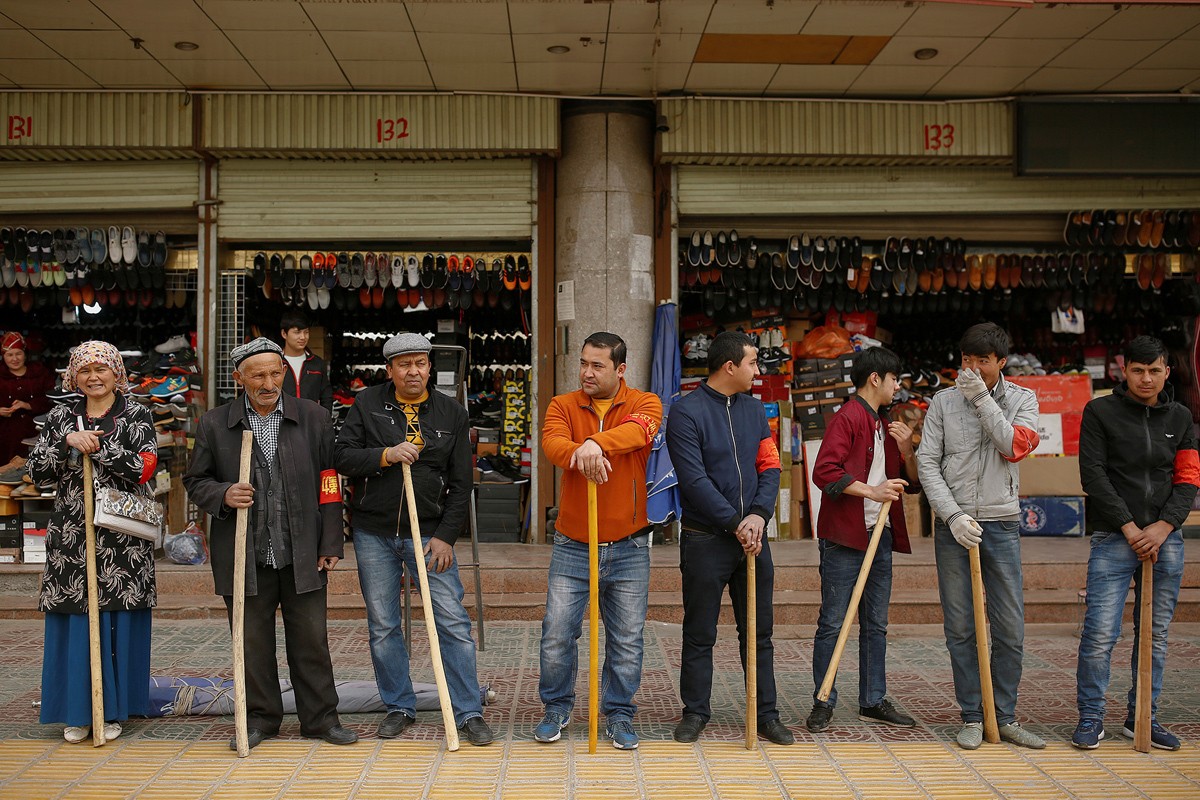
<point>186,696</point>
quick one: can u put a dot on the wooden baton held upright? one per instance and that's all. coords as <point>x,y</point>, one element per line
<point>1143,697</point>
<point>751,652</point>
<point>238,619</point>
<point>855,597</point>
<point>991,731</point>
<point>435,648</point>
<point>593,619</point>
<point>93,607</point>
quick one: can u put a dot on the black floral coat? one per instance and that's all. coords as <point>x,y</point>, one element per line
<point>124,563</point>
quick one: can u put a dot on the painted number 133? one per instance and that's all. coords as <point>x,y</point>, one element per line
<point>389,130</point>
<point>939,137</point>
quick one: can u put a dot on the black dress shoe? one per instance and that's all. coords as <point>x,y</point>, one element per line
<point>337,735</point>
<point>476,731</point>
<point>254,737</point>
<point>688,729</point>
<point>886,713</point>
<point>394,724</point>
<point>818,718</point>
<point>775,731</point>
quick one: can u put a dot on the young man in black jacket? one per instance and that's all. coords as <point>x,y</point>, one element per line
<point>305,375</point>
<point>728,469</point>
<point>403,421</point>
<point>1139,467</point>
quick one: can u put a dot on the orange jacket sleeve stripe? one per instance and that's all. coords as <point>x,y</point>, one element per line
<point>768,456</point>
<point>1187,467</point>
<point>1025,441</point>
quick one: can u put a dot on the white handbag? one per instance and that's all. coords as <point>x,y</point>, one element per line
<point>128,513</point>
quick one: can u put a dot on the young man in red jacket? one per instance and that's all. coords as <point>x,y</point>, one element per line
<point>601,433</point>
<point>864,462</point>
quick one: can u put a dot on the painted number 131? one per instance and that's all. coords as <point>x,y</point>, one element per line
<point>389,130</point>
<point>939,137</point>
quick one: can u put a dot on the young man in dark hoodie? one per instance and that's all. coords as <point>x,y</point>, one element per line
<point>305,375</point>
<point>864,462</point>
<point>1139,467</point>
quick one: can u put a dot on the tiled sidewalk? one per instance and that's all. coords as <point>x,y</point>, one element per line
<point>187,757</point>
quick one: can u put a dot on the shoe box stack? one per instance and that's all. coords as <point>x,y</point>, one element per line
<point>67,268</point>
<point>12,477</point>
<point>498,399</point>
<point>820,387</point>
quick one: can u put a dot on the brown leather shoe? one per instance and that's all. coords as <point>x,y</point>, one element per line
<point>938,281</point>
<point>1145,270</point>
<point>1193,227</point>
<point>924,280</point>
<point>864,276</point>
<point>974,272</point>
<point>1156,229</point>
<point>1162,267</point>
<point>1145,223</point>
<point>1120,228</point>
<point>989,271</point>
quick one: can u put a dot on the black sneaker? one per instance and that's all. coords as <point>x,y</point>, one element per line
<point>886,713</point>
<point>818,718</point>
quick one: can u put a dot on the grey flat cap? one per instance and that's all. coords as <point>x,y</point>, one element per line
<point>259,345</point>
<point>405,343</point>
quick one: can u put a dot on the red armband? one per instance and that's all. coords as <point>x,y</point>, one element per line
<point>1187,467</point>
<point>768,456</point>
<point>331,491</point>
<point>1025,441</point>
<point>150,462</point>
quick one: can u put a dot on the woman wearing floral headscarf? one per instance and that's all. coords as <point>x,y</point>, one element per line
<point>119,437</point>
<point>23,388</point>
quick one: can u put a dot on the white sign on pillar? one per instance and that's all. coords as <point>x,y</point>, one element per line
<point>564,302</point>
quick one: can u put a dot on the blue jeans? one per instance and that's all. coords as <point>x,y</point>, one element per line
<point>1111,565</point>
<point>381,564</point>
<point>1000,558</point>
<point>839,572</point>
<point>624,573</point>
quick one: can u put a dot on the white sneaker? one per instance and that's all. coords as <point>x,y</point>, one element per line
<point>112,730</point>
<point>398,275</point>
<point>75,734</point>
<point>172,345</point>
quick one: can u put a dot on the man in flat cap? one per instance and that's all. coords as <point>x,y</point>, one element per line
<point>403,422</point>
<point>294,535</point>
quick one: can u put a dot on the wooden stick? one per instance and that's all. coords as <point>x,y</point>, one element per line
<point>751,651</point>
<point>93,607</point>
<point>991,731</point>
<point>238,620</point>
<point>855,597</point>
<point>1141,713</point>
<point>435,648</point>
<point>593,619</point>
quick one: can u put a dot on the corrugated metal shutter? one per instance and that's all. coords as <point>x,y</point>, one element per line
<point>27,188</point>
<point>805,191</point>
<point>281,200</point>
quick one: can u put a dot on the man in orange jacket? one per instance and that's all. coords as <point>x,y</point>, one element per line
<point>600,433</point>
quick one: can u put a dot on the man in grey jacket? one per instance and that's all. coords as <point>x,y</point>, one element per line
<point>974,436</point>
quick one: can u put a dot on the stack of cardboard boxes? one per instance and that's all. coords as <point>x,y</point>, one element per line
<point>820,386</point>
<point>1052,502</point>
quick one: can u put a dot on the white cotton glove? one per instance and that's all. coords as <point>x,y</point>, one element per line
<point>966,531</point>
<point>971,384</point>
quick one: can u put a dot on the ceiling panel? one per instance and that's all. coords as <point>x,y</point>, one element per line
<point>818,80</point>
<point>591,18</point>
<point>373,45</point>
<point>45,73</point>
<point>1007,53</point>
<point>309,73</point>
<point>1151,80</point>
<point>903,81</point>
<point>398,75</point>
<point>21,44</point>
<point>1191,33</point>
<point>899,50</point>
<point>1110,54</point>
<point>475,48</point>
<point>1154,22</point>
<point>631,47</point>
<point>965,81</point>
<point>470,77</point>
<point>561,78</point>
<point>1180,54</point>
<point>142,17</point>
<point>454,18</point>
<point>643,79</point>
<point>673,16</point>
<point>141,73</point>
<point>91,44</point>
<point>359,16</point>
<point>754,16</point>
<point>734,78</point>
<point>1058,22</point>
<point>54,14</point>
<point>857,19</point>
<point>280,45</point>
<point>257,15</point>
<point>1057,79</point>
<point>532,47</point>
<point>211,73</point>
<point>214,46</point>
<point>944,19</point>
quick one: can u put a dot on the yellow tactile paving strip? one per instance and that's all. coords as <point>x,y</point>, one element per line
<point>371,770</point>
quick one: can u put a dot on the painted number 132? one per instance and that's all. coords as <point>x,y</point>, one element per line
<point>939,137</point>
<point>389,130</point>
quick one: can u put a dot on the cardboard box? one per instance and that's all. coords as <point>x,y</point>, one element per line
<point>1053,476</point>
<point>799,480</point>
<point>10,555</point>
<point>1052,516</point>
<point>1058,394</point>
<point>487,448</point>
<point>10,532</point>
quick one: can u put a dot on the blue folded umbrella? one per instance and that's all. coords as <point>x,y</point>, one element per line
<point>662,486</point>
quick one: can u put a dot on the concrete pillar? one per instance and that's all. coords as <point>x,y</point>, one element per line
<point>604,217</point>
